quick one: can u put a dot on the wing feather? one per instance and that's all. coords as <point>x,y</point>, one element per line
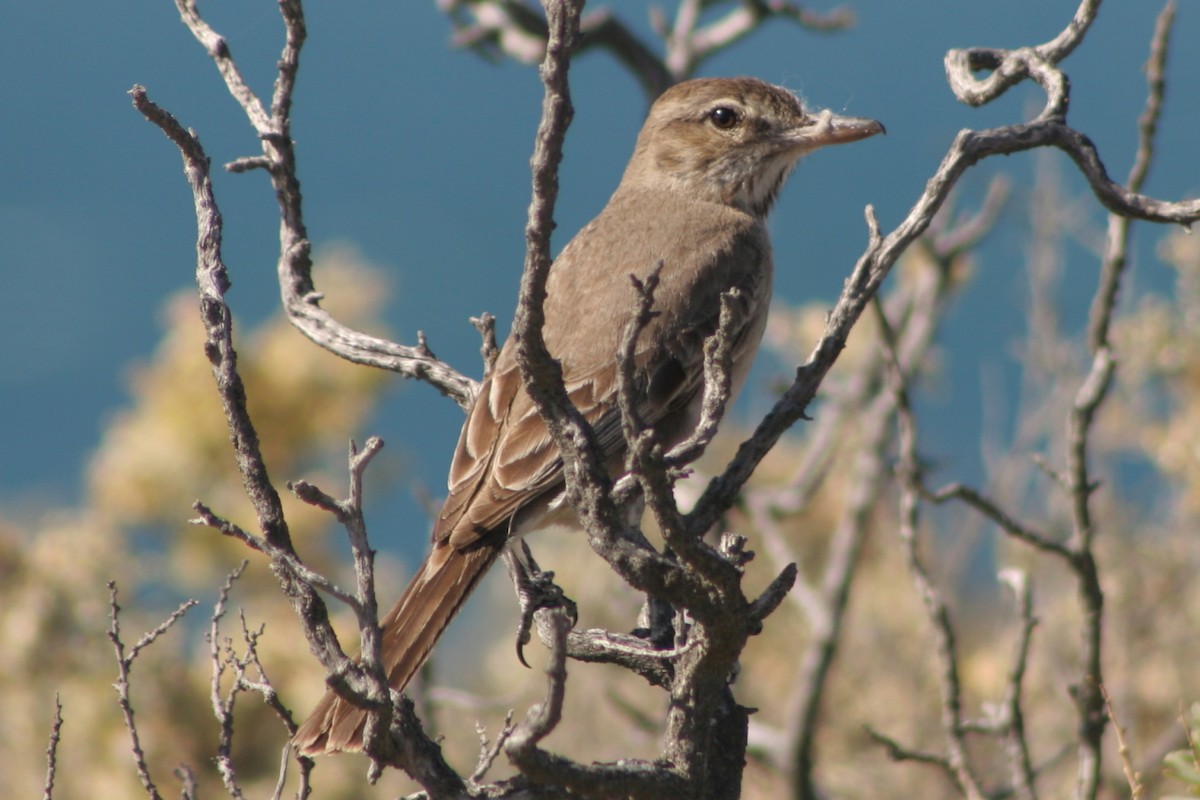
<point>505,458</point>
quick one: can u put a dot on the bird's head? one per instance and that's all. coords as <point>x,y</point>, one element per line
<point>732,140</point>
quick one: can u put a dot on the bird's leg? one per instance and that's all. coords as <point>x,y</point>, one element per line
<point>656,623</point>
<point>535,590</point>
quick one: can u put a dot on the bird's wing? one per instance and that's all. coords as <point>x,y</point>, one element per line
<point>505,457</point>
<point>503,461</point>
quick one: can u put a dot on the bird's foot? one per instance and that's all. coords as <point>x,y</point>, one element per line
<point>535,589</point>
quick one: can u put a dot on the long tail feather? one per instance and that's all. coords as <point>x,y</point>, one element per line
<point>410,631</point>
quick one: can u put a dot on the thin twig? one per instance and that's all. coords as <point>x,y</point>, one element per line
<point>349,513</point>
<point>223,656</point>
<point>489,751</point>
<point>644,457</point>
<point>1016,739</point>
<point>718,385</point>
<point>935,606</point>
<point>588,486</point>
<point>373,689</point>
<point>293,563</point>
<point>485,323</point>
<point>56,725</point>
<point>950,241</point>
<point>692,43</point>
<point>992,511</point>
<point>918,311</point>
<point>898,752</point>
<point>223,706</point>
<point>1136,789</point>
<point>213,281</point>
<point>187,780</point>
<point>124,665</point>
<point>1118,226</point>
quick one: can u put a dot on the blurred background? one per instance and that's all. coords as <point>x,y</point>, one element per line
<point>416,154</point>
<point>413,157</point>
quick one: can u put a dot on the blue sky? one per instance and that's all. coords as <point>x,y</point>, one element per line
<point>418,154</point>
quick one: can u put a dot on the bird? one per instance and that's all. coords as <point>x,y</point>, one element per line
<point>692,204</point>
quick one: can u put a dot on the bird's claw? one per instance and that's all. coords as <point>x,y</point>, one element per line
<point>536,590</point>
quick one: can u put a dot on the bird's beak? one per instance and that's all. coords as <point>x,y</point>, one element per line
<point>826,128</point>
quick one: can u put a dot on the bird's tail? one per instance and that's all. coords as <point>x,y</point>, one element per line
<point>410,631</point>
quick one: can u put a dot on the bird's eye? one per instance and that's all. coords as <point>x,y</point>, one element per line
<point>724,117</point>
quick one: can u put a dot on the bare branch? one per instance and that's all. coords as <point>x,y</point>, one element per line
<point>489,751</point>
<point>950,241</point>
<point>223,707</point>
<point>628,778</point>
<point>644,457</point>
<point>604,29</point>
<point>898,752</point>
<point>187,779</point>
<point>544,717</point>
<point>218,49</point>
<point>630,652</point>
<point>766,603</point>
<point>52,748</point>
<point>223,658</point>
<point>512,28</point>
<point>718,385</point>
<point>690,45</point>
<point>124,665</point>
<point>213,280</point>
<point>1092,393</point>
<point>1105,300</point>
<point>349,513</point>
<point>485,323</point>
<point>1156,87</point>
<point>989,509</point>
<point>370,685</point>
<point>300,298</point>
<point>542,375</point>
<point>1016,740</point>
<point>294,565</point>
<point>869,408</point>
<point>1136,789</point>
<point>633,427</point>
<point>936,609</point>
<point>1010,67</point>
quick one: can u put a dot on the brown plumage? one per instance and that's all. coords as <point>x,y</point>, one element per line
<point>708,165</point>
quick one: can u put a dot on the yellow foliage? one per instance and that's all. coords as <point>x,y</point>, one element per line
<point>1159,346</point>
<point>168,448</point>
